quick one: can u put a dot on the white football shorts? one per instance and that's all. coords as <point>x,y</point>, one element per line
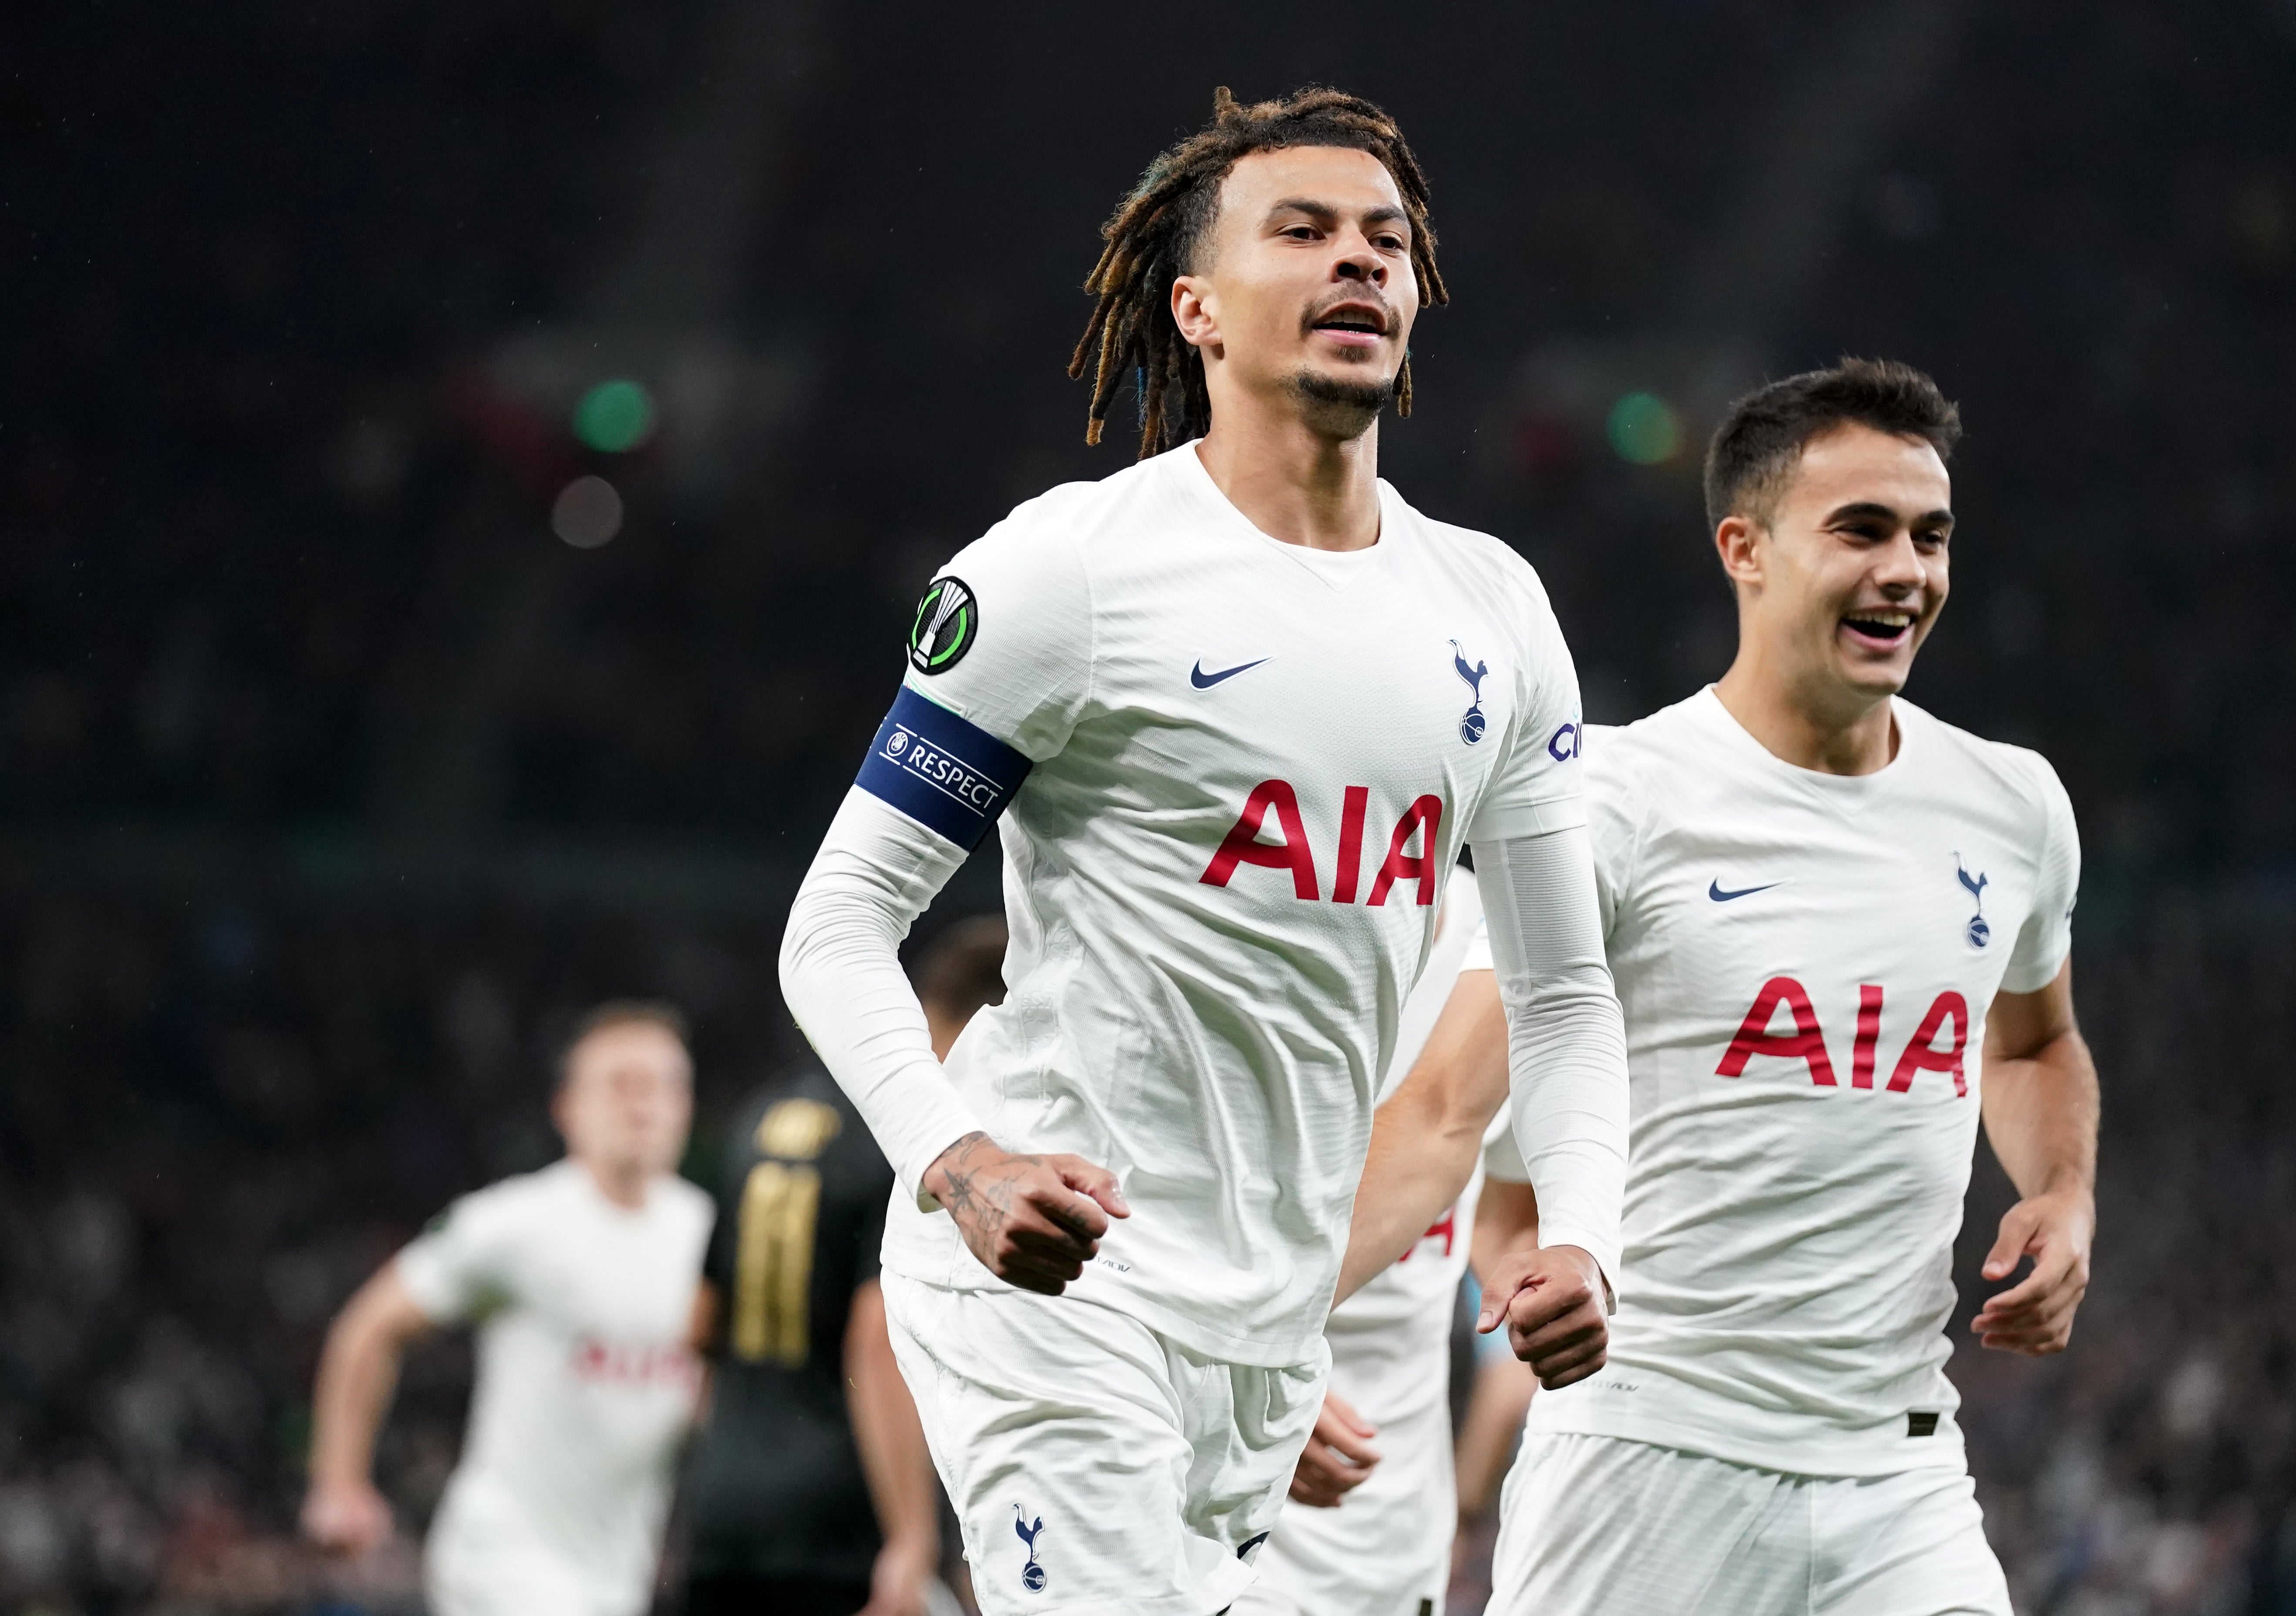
<point>464,1574</point>
<point>1386,1550</point>
<point>1094,1463</point>
<point>1600,1525</point>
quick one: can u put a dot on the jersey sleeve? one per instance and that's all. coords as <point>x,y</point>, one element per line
<point>1566,1040</point>
<point>1000,667</point>
<point>2046,937</point>
<point>1000,663</point>
<point>1611,819</point>
<point>876,871</point>
<point>1536,788</point>
<point>1502,1156</point>
<point>460,1267</point>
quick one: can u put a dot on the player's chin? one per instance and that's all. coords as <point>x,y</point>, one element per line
<point>1360,380</point>
<point>1878,674</point>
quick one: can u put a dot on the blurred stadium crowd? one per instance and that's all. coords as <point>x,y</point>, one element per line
<point>332,784</point>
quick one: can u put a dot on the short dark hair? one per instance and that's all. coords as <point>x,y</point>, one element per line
<point>1759,442</point>
<point>963,969</point>
<point>623,1012</point>
<point>1155,232</point>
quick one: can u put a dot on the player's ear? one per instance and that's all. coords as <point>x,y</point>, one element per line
<point>1194,310</point>
<point>1736,540</point>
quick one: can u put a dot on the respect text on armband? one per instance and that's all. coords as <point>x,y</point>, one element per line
<point>941,770</point>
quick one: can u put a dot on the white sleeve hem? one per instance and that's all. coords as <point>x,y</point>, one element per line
<point>425,1286</point>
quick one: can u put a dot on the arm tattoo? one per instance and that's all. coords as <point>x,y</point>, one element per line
<point>980,1201</point>
<point>981,1192</point>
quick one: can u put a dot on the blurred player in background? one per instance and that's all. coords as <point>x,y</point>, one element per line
<point>581,1281</point>
<point>1244,705</point>
<point>1368,1528</point>
<point>810,1492</point>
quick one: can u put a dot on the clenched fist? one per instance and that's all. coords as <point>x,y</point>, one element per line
<point>1033,1221</point>
<point>1551,1300</point>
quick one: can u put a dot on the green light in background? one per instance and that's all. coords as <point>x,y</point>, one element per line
<point>614,416</point>
<point>1644,428</point>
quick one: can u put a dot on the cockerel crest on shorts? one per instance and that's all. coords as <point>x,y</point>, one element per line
<point>1032,1575</point>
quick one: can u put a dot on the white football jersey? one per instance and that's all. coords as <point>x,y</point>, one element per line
<point>586,1385</point>
<point>1806,961</point>
<point>1247,770</point>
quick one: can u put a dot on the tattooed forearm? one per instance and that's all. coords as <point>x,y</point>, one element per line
<point>999,1198</point>
<point>976,1185</point>
<point>956,1168</point>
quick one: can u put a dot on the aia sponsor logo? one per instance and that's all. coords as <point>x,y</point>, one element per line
<point>1274,807</point>
<point>1947,1018</point>
<point>625,1364</point>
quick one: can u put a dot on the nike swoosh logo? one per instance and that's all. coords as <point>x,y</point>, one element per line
<point>1202,680</point>
<point>1714,891</point>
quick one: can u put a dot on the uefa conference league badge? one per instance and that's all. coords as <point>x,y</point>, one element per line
<point>947,622</point>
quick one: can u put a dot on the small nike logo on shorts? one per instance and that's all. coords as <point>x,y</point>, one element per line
<point>1202,680</point>
<point>1715,892</point>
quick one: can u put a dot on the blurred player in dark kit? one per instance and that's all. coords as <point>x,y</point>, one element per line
<point>580,1280</point>
<point>810,1491</point>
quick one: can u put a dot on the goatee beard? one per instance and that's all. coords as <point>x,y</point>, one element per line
<point>1340,408</point>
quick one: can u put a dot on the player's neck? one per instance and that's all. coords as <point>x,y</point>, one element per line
<point>622,1183</point>
<point>1827,730</point>
<point>1293,483</point>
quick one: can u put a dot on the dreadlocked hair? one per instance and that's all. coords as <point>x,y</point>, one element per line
<point>1154,234</point>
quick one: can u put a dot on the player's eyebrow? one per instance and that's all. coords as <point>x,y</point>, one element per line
<point>1386,213</point>
<point>1929,522</point>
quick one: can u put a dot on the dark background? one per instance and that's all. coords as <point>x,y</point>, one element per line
<point>332,784</point>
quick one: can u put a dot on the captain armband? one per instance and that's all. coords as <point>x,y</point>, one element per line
<point>945,772</point>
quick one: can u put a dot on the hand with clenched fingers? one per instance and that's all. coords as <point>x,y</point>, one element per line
<point>1033,1221</point>
<point>1551,1300</point>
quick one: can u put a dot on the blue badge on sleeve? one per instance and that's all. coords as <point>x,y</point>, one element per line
<point>949,775</point>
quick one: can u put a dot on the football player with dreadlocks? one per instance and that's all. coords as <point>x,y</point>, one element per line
<point>1237,709</point>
